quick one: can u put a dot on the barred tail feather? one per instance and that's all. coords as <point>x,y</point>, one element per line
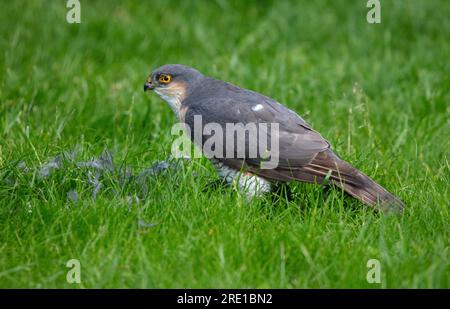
<point>354,182</point>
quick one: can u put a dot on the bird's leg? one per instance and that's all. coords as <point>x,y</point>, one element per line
<point>282,190</point>
<point>215,184</point>
<point>327,188</point>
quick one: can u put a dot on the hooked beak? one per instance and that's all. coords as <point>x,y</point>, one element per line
<point>149,86</point>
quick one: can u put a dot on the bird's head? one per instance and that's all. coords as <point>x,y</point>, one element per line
<point>173,82</point>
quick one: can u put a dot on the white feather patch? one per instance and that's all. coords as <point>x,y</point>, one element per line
<point>257,107</point>
<point>251,185</point>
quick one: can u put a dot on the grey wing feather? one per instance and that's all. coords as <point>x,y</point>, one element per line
<point>298,142</point>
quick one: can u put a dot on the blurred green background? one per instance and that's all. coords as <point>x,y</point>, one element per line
<point>378,92</point>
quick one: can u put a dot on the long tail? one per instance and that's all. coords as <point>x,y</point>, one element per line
<point>342,174</point>
<point>352,181</point>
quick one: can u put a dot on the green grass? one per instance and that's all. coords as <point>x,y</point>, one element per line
<point>379,93</point>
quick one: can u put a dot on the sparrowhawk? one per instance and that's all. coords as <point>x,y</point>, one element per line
<point>302,154</point>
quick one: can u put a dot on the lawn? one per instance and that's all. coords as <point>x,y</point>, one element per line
<point>379,93</point>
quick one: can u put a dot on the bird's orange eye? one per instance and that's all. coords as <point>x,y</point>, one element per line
<point>165,79</point>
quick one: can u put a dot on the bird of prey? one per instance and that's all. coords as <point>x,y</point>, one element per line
<point>303,154</point>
